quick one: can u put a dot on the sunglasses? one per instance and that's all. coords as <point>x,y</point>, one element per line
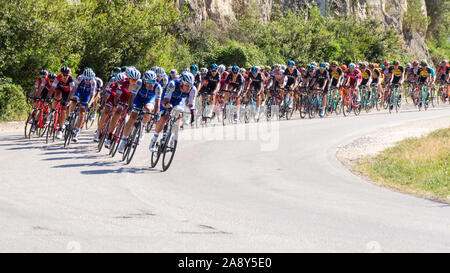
<point>150,82</point>
<point>159,76</point>
<point>42,76</point>
<point>203,74</point>
<point>213,70</point>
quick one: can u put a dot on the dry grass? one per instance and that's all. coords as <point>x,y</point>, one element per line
<point>416,165</point>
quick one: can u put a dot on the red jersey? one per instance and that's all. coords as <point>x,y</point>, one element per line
<point>64,86</point>
<point>355,76</point>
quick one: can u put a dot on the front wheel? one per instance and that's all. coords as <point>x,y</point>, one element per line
<point>168,152</point>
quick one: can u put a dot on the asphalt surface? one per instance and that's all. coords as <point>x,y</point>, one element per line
<point>251,188</point>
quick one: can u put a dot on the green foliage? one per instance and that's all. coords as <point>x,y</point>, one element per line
<point>414,19</point>
<point>13,104</point>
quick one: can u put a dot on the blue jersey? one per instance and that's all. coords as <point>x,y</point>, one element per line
<point>164,81</point>
<point>84,88</point>
<point>173,92</point>
<point>141,90</point>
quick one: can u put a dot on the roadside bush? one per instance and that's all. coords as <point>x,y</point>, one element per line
<point>13,104</point>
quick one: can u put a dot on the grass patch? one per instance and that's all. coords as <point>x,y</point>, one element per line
<point>415,165</point>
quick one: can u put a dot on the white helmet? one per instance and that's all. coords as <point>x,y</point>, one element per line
<point>186,78</point>
<point>149,75</point>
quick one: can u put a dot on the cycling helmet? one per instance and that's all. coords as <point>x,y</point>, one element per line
<point>99,82</point>
<point>186,69</point>
<point>51,76</point>
<point>268,68</point>
<point>291,63</point>
<point>230,69</point>
<point>221,68</point>
<point>133,73</point>
<point>283,67</point>
<point>396,62</point>
<point>334,63</point>
<point>327,65</point>
<point>277,67</point>
<point>160,71</point>
<point>311,68</point>
<point>213,67</point>
<point>186,78</point>
<point>154,68</point>
<point>204,70</point>
<point>235,69</point>
<point>323,65</point>
<point>115,71</point>
<point>43,72</point>
<point>194,69</point>
<point>149,75</point>
<point>343,67</point>
<point>65,70</point>
<point>359,64</point>
<point>173,71</point>
<point>88,74</point>
<point>415,63</point>
<point>313,64</point>
<point>408,65</point>
<point>382,66</point>
<point>366,64</point>
<point>123,69</point>
<point>371,65</point>
<point>444,62</point>
<point>121,76</point>
<point>386,63</point>
<point>423,62</point>
<point>242,71</point>
<point>301,68</point>
<point>351,66</point>
<point>255,70</point>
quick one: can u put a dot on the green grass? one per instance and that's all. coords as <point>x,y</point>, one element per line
<point>416,165</point>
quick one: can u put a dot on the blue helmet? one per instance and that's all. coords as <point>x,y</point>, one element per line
<point>235,69</point>
<point>291,63</point>
<point>194,69</point>
<point>186,78</point>
<point>255,70</point>
<point>213,67</point>
<point>311,68</point>
<point>351,66</point>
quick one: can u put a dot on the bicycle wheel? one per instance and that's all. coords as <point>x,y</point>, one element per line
<point>51,128</point>
<point>168,152</point>
<point>69,132</point>
<point>117,137</point>
<point>156,155</point>
<point>312,107</point>
<point>29,123</point>
<point>303,107</point>
<point>89,120</point>
<point>133,143</point>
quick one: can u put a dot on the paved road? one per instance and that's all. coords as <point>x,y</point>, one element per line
<point>282,191</point>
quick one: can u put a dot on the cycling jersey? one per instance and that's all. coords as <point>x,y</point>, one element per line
<point>365,76</point>
<point>424,74</point>
<point>177,97</point>
<point>84,92</point>
<point>237,82</point>
<point>321,76</point>
<point>398,72</point>
<point>292,76</point>
<point>335,75</point>
<point>146,96</point>
<point>223,77</point>
<point>212,80</point>
<point>256,81</point>
<point>124,91</point>
<point>163,81</point>
<point>81,79</point>
<point>376,73</point>
<point>64,86</point>
<point>354,77</point>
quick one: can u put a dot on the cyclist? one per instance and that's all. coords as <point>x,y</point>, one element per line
<point>366,75</point>
<point>97,96</point>
<point>161,76</point>
<point>63,86</point>
<point>173,74</point>
<point>209,86</point>
<point>256,88</point>
<point>442,75</point>
<point>42,93</point>
<point>179,93</point>
<point>293,79</point>
<point>336,75</point>
<point>277,80</point>
<point>110,101</point>
<point>353,80</point>
<point>376,76</point>
<point>147,94</point>
<point>84,94</point>
<point>398,75</point>
<point>223,76</point>
<point>40,82</point>
<point>425,76</point>
<point>234,83</point>
<point>126,86</point>
<point>321,79</point>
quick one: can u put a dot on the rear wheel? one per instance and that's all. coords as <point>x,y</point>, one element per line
<point>312,107</point>
<point>28,125</point>
<point>117,136</point>
<point>156,155</point>
<point>133,143</point>
<point>51,128</point>
<point>168,152</point>
<point>89,120</point>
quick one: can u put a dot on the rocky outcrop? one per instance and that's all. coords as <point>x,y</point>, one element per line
<point>389,12</point>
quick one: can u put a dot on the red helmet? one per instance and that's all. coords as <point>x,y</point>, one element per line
<point>302,68</point>
<point>386,63</point>
<point>416,63</point>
